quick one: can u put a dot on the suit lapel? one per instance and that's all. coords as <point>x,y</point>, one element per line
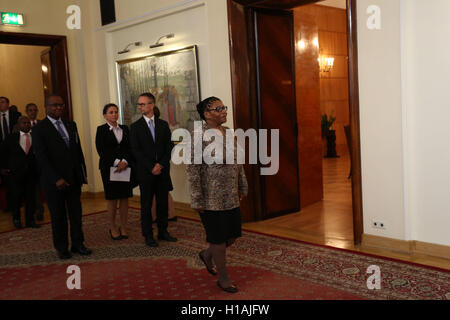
<point>52,128</point>
<point>17,139</point>
<point>73,139</point>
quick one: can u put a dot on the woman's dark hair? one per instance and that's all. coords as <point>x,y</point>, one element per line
<point>203,105</point>
<point>109,105</point>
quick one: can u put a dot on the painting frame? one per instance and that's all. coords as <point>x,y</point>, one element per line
<point>172,76</point>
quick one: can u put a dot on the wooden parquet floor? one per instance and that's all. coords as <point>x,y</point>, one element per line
<point>328,222</point>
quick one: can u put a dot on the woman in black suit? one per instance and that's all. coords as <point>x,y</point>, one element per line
<point>113,146</point>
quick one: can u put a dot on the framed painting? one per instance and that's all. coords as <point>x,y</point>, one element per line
<point>172,77</point>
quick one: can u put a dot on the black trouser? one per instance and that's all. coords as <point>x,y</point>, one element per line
<point>154,186</point>
<point>23,187</point>
<point>57,202</point>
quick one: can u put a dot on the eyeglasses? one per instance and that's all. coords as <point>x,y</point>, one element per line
<point>143,104</point>
<point>218,109</point>
<point>62,105</point>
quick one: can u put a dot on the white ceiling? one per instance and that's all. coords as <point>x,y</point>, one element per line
<point>342,4</point>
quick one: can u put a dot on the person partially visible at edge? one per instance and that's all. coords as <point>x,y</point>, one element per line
<point>216,192</point>
<point>113,146</point>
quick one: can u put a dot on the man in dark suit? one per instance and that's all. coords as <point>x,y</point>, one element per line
<point>63,172</point>
<point>32,111</point>
<point>151,145</point>
<point>19,163</point>
<point>8,119</point>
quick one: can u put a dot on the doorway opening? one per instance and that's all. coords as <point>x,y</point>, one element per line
<point>275,50</point>
<point>50,54</point>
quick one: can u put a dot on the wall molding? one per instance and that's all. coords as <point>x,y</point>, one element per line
<point>404,246</point>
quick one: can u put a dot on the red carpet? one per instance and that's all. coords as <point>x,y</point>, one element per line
<point>263,267</point>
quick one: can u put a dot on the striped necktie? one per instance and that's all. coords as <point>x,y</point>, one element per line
<point>62,133</point>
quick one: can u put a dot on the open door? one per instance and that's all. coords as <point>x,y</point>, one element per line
<point>277,107</point>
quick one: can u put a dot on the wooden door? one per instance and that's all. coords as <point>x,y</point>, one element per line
<point>277,107</point>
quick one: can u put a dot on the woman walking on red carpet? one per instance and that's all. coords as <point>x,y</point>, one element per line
<point>216,191</point>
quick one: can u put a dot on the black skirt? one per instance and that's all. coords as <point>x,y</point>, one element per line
<point>221,226</point>
<point>115,190</point>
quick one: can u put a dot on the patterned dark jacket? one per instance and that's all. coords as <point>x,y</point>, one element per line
<point>216,187</point>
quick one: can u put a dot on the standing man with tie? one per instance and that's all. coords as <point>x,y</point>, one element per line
<point>19,163</point>
<point>63,172</point>
<point>8,120</point>
<point>151,145</point>
<point>31,110</point>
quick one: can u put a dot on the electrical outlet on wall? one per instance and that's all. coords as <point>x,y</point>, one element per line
<point>376,224</point>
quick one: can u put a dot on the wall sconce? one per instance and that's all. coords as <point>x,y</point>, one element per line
<point>137,44</point>
<point>157,44</point>
<point>325,63</point>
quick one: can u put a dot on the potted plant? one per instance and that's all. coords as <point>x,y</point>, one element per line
<point>330,135</point>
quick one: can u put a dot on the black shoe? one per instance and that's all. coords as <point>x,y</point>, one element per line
<point>17,223</point>
<point>212,270</point>
<point>33,225</point>
<point>230,289</point>
<point>64,255</point>
<point>166,237</point>
<point>119,237</point>
<point>173,219</point>
<point>82,250</point>
<point>151,242</point>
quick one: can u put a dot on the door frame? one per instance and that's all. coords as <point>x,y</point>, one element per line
<point>244,91</point>
<point>59,60</point>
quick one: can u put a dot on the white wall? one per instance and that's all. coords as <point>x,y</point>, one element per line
<point>187,33</point>
<point>379,54</point>
<point>427,78</point>
<point>203,23</point>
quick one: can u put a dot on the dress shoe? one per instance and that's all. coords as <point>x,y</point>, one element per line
<point>151,242</point>
<point>119,237</point>
<point>82,250</point>
<point>230,289</point>
<point>211,270</point>
<point>173,219</point>
<point>33,225</point>
<point>17,223</point>
<point>166,237</point>
<point>64,255</point>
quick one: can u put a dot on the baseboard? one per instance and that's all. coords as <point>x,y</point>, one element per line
<point>409,247</point>
<point>183,207</point>
<point>430,249</point>
<point>93,195</point>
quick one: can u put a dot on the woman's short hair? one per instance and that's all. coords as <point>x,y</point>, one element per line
<point>109,105</point>
<point>203,105</point>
